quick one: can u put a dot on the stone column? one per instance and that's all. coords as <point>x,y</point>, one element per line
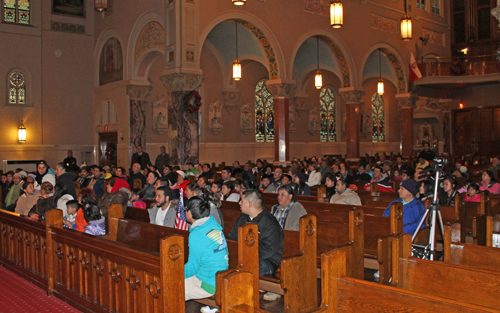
<point>137,99</point>
<point>406,103</point>
<point>183,133</point>
<point>281,92</point>
<point>352,98</point>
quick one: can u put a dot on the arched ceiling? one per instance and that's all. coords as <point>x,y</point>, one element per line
<point>371,68</point>
<point>307,60</point>
<point>223,37</point>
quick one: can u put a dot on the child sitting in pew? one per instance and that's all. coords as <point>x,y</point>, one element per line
<point>136,199</point>
<point>473,193</point>
<point>72,207</point>
<point>95,221</point>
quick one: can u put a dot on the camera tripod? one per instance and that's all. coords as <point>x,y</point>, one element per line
<point>434,213</point>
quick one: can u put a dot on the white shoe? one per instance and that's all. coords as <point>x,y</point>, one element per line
<point>271,296</point>
<point>208,309</point>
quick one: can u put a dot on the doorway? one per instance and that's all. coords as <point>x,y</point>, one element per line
<point>107,148</point>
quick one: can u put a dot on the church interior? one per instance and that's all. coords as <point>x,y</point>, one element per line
<point>218,81</point>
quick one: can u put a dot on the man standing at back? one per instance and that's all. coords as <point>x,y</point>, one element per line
<point>208,253</point>
<point>162,159</point>
<point>270,232</point>
<point>141,157</point>
<point>70,162</point>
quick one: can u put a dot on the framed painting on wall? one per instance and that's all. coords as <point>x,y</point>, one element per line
<point>75,8</point>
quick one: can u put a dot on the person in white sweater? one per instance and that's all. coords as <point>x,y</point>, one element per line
<point>314,174</point>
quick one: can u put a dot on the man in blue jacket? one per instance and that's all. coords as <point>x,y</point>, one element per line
<point>208,252</point>
<point>413,208</point>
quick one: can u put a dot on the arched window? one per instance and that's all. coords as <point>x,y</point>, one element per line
<point>16,11</point>
<point>264,113</point>
<point>327,113</point>
<point>17,88</point>
<point>378,118</point>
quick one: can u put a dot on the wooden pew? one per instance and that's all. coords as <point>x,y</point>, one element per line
<point>98,274</point>
<point>345,227</point>
<point>341,293</point>
<point>459,283</point>
<point>375,225</point>
<point>23,247</point>
<point>473,256</point>
<point>486,230</point>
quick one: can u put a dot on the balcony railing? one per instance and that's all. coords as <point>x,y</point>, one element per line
<point>478,65</point>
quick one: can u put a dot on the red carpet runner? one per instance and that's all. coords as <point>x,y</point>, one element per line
<point>19,295</point>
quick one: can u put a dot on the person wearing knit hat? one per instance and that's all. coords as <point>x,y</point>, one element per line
<point>460,169</point>
<point>413,208</point>
<point>50,178</point>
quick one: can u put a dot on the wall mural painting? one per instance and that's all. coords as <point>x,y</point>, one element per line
<point>69,7</point>
<point>111,62</point>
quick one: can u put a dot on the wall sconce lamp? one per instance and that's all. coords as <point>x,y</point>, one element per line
<point>21,133</point>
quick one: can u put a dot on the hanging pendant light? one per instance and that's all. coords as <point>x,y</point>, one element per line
<point>101,5</point>
<point>380,85</point>
<point>236,62</point>
<point>239,2</point>
<point>336,14</point>
<point>318,78</point>
<point>406,31</point>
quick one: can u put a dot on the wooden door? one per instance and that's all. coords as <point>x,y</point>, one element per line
<point>107,148</point>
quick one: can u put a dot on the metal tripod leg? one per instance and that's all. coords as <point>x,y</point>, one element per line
<point>419,225</point>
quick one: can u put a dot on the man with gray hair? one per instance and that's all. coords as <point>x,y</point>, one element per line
<point>270,232</point>
<point>136,174</point>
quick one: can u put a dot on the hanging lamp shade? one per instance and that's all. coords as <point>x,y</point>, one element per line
<point>101,5</point>
<point>239,2</point>
<point>236,69</point>
<point>336,14</point>
<point>406,32</point>
<point>318,80</point>
<point>21,133</point>
<point>380,87</point>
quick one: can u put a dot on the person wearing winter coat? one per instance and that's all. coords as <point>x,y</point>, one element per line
<point>345,195</point>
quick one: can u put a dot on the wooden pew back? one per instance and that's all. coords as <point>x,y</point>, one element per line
<point>442,280</point>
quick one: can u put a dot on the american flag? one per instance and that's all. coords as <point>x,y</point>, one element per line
<point>180,218</point>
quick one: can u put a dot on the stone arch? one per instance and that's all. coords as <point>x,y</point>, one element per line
<point>146,44</point>
<point>339,51</point>
<point>101,41</point>
<point>399,66</point>
<point>268,43</point>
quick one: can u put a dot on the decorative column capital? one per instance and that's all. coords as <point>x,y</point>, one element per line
<point>230,98</point>
<point>406,100</point>
<point>138,92</point>
<point>351,95</point>
<point>182,81</point>
<point>281,88</point>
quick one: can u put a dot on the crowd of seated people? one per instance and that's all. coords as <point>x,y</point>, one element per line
<point>164,190</point>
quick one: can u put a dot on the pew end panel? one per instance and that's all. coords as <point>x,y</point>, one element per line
<point>171,273</point>
<point>300,291</point>
<point>248,254</point>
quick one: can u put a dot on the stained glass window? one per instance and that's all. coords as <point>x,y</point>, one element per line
<point>435,4</point>
<point>378,118</point>
<point>17,88</point>
<point>16,11</point>
<point>264,113</point>
<point>327,114</point>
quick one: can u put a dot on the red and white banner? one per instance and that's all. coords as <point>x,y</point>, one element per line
<point>414,70</point>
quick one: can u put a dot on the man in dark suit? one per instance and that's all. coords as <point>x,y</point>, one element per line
<point>141,157</point>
